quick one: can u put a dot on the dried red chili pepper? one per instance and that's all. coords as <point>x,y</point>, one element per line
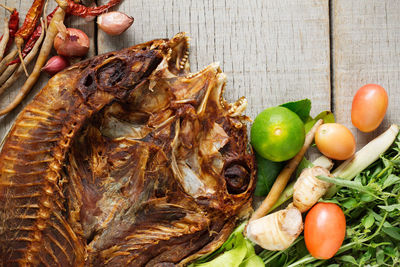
<point>13,24</point>
<point>84,11</point>
<point>31,19</point>
<point>32,40</point>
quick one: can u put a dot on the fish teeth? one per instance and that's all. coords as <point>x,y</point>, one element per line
<point>184,60</point>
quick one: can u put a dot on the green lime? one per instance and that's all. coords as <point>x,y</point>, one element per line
<point>277,134</point>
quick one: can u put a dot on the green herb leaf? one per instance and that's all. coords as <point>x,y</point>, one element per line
<point>267,171</point>
<point>380,256</point>
<point>327,116</point>
<point>350,203</point>
<point>391,180</point>
<point>349,259</point>
<point>390,207</point>
<point>356,185</point>
<point>302,108</point>
<point>393,232</point>
<point>368,221</point>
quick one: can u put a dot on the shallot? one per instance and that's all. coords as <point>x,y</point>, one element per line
<point>114,23</point>
<point>55,65</point>
<point>71,42</point>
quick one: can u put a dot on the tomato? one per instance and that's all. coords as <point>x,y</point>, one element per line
<point>335,141</point>
<point>324,230</point>
<point>369,107</point>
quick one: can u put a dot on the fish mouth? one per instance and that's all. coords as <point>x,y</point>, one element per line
<point>178,54</point>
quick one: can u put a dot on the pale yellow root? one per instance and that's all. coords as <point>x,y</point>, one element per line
<point>4,40</point>
<point>6,59</point>
<point>278,230</point>
<point>308,189</point>
<point>19,44</point>
<point>31,55</point>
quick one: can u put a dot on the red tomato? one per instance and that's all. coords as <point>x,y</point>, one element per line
<point>324,230</point>
<point>335,141</point>
<point>369,107</point>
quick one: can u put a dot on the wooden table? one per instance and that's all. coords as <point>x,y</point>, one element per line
<point>273,51</point>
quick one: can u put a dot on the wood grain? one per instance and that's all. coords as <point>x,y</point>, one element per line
<point>272,51</point>
<point>366,37</point>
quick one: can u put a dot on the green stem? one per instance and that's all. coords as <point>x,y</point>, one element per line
<point>267,260</point>
<point>349,184</point>
<point>306,259</point>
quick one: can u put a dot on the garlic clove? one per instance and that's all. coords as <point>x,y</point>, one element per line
<point>276,231</point>
<point>55,65</point>
<point>114,23</point>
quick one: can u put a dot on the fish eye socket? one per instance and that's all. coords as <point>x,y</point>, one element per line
<point>111,73</point>
<point>237,177</point>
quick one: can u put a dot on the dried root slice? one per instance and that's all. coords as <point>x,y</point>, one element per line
<point>308,189</point>
<point>276,231</point>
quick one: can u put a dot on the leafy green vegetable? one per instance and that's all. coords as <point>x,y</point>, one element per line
<point>267,171</point>
<point>371,203</point>
<point>302,108</point>
<point>327,116</point>
<point>235,252</point>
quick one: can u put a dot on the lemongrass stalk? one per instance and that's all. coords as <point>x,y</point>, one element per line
<point>364,157</point>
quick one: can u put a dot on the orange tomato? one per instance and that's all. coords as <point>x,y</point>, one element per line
<point>369,107</point>
<point>324,230</point>
<point>335,141</point>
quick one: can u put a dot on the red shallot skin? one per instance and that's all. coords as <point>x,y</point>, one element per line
<point>55,65</point>
<point>114,23</point>
<point>73,43</point>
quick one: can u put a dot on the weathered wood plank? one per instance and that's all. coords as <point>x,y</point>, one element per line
<point>23,7</point>
<point>272,51</point>
<point>366,37</point>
